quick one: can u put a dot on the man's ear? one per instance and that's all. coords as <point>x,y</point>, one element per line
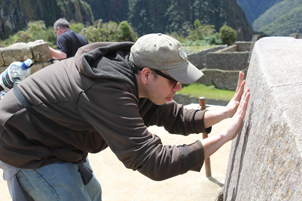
<point>146,72</point>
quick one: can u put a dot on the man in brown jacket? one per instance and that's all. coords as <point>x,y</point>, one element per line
<point>107,95</point>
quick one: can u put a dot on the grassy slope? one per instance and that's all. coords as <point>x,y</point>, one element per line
<point>200,90</point>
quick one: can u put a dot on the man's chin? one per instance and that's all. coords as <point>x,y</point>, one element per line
<point>160,103</point>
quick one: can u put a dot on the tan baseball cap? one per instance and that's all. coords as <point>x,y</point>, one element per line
<point>162,52</point>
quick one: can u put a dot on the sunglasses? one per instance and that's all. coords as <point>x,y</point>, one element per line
<point>136,68</point>
<point>167,77</point>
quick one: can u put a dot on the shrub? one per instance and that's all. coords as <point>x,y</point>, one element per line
<point>227,35</point>
<point>125,32</point>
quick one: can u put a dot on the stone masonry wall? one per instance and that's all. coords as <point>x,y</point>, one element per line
<point>199,59</point>
<point>221,79</point>
<point>38,52</point>
<point>234,57</point>
<point>265,159</point>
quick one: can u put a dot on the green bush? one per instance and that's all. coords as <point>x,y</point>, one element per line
<point>125,32</point>
<point>201,31</point>
<point>76,27</point>
<point>213,39</point>
<point>227,35</point>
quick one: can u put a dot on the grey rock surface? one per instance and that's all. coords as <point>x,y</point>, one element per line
<point>16,52</point>
<point>265,158</point>
<point>38,52</point>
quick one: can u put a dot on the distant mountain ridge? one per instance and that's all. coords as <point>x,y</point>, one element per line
<point>282,17</point>
<point>255,8</point>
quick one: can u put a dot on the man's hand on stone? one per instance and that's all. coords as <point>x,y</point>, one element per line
<point>213,143</point>
<point>232,106</point>
<point>235,124</point>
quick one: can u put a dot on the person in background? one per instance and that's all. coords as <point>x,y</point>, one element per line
<point>107,95</point>
<point>68,41</point>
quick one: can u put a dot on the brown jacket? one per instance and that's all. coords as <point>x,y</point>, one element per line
<point>94,97</point>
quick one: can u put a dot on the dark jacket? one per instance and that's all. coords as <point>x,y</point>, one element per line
<point>93,97</point>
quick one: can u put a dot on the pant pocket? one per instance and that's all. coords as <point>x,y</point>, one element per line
<point>24,182</point>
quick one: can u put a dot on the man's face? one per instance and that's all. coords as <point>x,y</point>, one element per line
<point>58,31</point>
<point>161,90</point>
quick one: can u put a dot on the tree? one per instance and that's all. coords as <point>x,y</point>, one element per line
<point>125,32</point>
<point>227,35</point>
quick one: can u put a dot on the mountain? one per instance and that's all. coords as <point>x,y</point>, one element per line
<point>289,23</point>
<point>145,16</point>
<point>274,17</point>
<point>15,14</point>
<point>167,16</point>
<point>255,8</point>
<point>281,19</point>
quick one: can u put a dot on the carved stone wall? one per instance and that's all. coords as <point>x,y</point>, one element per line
<point>265,159</point>
<point>199,59</point>
<point>221,79</point>
<point>38,52</point>
<point>234,57</point>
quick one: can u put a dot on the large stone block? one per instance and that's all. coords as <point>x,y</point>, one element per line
<point>40,51</point>
<point>16,52</point>
<point>265,159</point>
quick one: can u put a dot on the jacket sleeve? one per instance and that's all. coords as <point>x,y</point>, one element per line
<point>113,111</point>
<point>176,119</point>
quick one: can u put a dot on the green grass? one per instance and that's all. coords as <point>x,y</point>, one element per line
<point>196,49</point>
<point>199,90</point>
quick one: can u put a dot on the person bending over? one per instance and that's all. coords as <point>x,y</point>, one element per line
<point>106,96</point>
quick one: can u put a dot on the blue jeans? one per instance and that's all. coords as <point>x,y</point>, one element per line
<point>59,181</point>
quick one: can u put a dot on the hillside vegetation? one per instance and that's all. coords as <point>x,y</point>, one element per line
<point>145,16</point>
<point>166,16</point>
<point>282,19</point>
<point>274,17</point>
<point>255,8</point>
<point>201,36</point>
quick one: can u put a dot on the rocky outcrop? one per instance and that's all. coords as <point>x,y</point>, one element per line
<point>265,159</point>
<point>15,14</point>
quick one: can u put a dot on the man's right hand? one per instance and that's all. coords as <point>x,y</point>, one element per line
<point>213,143</point>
